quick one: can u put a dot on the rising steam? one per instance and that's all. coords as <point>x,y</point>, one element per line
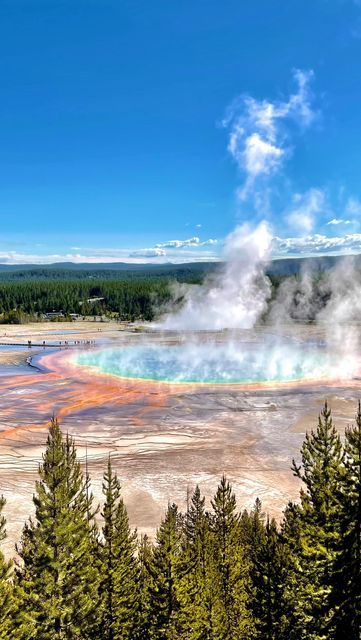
<point>236,296</point>
<point>240,295</point>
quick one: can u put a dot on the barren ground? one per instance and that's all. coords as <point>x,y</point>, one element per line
<point>163,438</point>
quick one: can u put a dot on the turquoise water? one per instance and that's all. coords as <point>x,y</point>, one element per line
<point>210,363</point>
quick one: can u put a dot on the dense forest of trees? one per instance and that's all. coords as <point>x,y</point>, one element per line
<point>216,573</point>
<point>128,300</point>
<point>189,272</point>
<point>131,299</point>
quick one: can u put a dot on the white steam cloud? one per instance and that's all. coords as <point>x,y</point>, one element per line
<point>239,295</point>
<point>305,208</point>
<point>236,295</point>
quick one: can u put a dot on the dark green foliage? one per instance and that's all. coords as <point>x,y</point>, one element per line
<point>6,594</point>
<point>318,531</point>
<point>128,300</point>
<point>166,568</point>
<point>347,597</point>
<point>120,572</point>
<point>210,575</point>
<point>58,575</point>
<point>269,576</point>
<point>197,591</point>
<point>232,617</point>
<point>189,272</point>
<point>145,551</point>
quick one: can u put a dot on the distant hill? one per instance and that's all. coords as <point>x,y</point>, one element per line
<point>292,266</point>
<point>125,271</point>
<point>103,266</point>
<point>99,271</point>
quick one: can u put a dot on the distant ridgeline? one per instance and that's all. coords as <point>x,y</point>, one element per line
<point>118,290</point>
<point>186,272</point>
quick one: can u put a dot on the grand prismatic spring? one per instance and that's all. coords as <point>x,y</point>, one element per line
<point>173,409</point>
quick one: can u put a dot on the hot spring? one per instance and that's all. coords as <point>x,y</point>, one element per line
<point>230,362</point>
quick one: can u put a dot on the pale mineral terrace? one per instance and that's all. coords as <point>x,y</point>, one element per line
<point>163,438</point>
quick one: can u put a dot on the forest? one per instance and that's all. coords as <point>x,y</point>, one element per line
<point>214,572</point>
<point>127,300</point>
<point>127,295</point>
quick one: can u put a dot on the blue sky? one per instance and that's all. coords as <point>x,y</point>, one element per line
<point>145,131</point>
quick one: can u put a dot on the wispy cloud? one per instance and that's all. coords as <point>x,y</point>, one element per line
<point>317,244</point>
<point>147,253</point>
<point>353,207</point>
<point>258,136</point>
<point>136,256</point>
<point>305,209</point>
<point>308,245</point>
<point>190,242</point>
<point>336,221</point>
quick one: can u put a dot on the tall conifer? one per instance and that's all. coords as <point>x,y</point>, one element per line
<point>197,591</point>
<point>269,578</point>
<point>120,572</point>
<point>233,619</point>
<point>348,565</point>
<point>6,591</point>
<point>58,573</point>
<point>145,551</point>
<point>167,567</point>
<point>321,473</point>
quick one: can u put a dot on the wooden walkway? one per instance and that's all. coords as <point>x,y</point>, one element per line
<point>39,344</point>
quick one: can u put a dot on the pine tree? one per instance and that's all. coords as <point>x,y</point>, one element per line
<point>166,569</point>
<point>7,629</point>
<point>269,578</point>
<point>232,617</point>
<point>145,603</point>
<point>252,539</point>
<point>197,588</point>
<point>58,575</point>
<point>348,566</point>
<point>119,587</point>
<point>321,472</point>
<point>292,560</point>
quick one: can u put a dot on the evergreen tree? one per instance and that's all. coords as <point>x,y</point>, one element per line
<point>145,603</point>
<point>269,578</point>
<point>197,588</point>
<point>7,630</point>
<point>119,587</point>
<point>58,575</point>
<point>290,540</point>
<point>232,620</point>
<point>166,569</point>
<point>321,472</point>
<point>252,540</point>
<point>348,566</point>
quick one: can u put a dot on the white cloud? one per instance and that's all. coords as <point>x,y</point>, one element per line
<point>147,253</point>
<point>336,221</point>
<point>14,257</point>
<point>317,244</point>
<point>190,242</point>
<point>258,139</point>
<point>199,251</point>
<point>306,207</point>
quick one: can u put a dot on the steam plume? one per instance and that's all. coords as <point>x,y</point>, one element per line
<point>234,297</point>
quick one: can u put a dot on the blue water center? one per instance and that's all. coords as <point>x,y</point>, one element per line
<point>216,363</point>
